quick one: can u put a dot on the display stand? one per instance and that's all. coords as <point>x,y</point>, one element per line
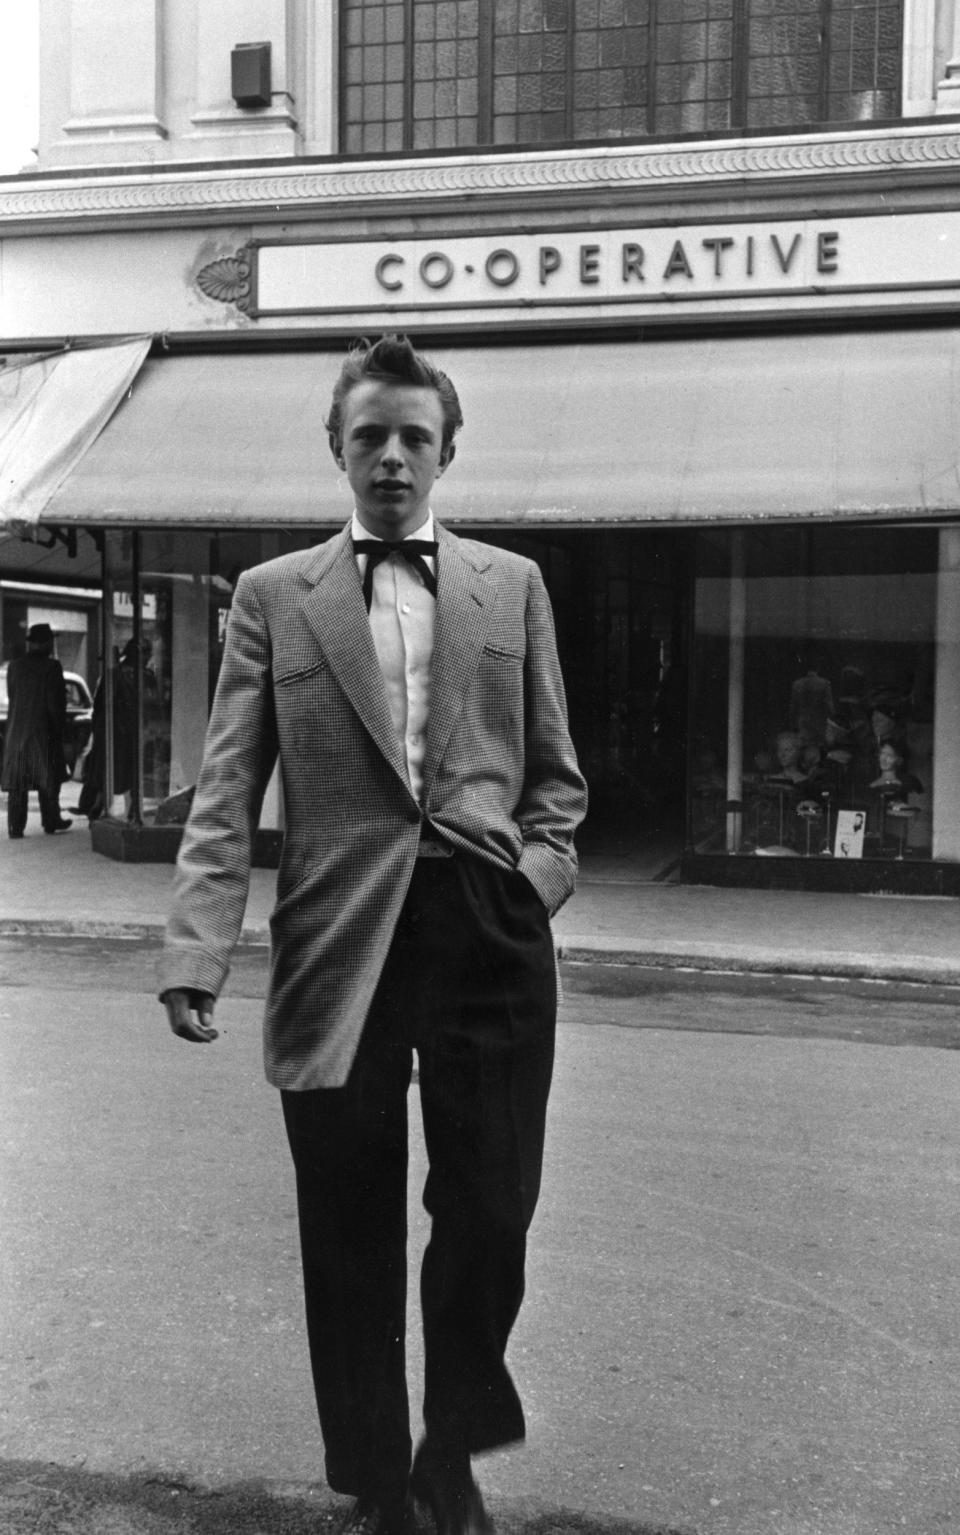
<point>901,815</point>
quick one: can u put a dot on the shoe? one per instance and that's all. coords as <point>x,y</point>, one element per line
<point>15,835</point>
<point>451,1496</point>
<point>62,825</point>
<point>370,1516</point>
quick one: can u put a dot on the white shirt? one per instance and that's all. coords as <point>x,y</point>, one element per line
<point>401,624</point>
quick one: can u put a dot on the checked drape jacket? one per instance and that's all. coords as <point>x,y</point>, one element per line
<point>300,677</point>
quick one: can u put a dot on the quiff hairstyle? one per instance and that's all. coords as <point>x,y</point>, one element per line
<point>392,359</point>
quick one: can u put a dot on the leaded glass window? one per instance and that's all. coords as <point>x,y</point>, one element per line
<point>434,74</point>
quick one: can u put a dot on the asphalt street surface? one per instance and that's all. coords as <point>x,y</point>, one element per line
<point>743,1278</point>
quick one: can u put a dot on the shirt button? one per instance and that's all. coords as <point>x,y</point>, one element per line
<point>405,608</point>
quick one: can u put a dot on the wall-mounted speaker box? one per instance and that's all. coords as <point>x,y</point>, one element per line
<point>250,74</point>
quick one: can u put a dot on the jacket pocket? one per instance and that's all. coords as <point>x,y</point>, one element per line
<point>502,653</point>
<point>294,868</point>
<point>287,679</point>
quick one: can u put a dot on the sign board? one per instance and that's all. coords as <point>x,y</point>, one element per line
<point>848,842</point>
<point>633,267</point>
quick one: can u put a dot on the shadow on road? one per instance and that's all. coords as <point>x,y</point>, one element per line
<point>45,1499</point>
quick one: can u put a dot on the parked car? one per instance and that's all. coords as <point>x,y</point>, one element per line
<point>79,715</point>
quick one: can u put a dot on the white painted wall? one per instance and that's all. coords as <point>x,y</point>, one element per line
<point>113,284</point>
<point>126,82</point>
<point>148,81</point>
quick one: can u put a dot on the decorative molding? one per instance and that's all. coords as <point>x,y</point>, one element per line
<point>134,124</point>
<point>301,188</point>
<point>948,89</point>
<point>233,118</point>
<point>228,280</point>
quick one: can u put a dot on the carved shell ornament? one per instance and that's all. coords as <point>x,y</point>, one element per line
<point>227,280</point>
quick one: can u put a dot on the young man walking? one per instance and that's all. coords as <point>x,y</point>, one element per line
<point>409,682</point>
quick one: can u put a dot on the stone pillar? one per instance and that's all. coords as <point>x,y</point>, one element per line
<point>115,85</point>
<point>221,129</point>
<point>919,70</point>
<point>316,79</point>
<point>948,89</point>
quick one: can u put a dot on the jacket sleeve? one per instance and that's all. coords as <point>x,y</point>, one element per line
<point>554,799</point>
<point>213,868</point>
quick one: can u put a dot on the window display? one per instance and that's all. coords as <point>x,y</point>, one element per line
<point>819,674</point>
<point>800,684</point>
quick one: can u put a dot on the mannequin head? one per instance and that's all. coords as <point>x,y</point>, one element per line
<point>789,750</point>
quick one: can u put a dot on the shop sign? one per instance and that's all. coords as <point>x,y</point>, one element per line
<point>526,270</point>
<point>607,264</point>
<point>635,268</point>
<point>123,605</point>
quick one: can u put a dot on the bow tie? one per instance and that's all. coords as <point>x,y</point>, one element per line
<point>412,550</point>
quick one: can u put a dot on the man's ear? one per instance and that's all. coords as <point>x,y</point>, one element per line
<point>336,448</point>
<point>446,458</point>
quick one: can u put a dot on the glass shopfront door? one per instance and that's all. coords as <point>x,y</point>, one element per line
<point>622,606</point>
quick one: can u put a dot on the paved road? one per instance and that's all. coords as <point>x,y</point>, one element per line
<point>633,996</point>
<point>743,1285</point>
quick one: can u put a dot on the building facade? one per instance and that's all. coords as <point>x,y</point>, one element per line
<point>694,268</point>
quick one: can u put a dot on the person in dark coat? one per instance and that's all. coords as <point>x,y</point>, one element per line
<point>33,748</point>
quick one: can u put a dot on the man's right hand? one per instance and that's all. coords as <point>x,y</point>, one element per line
<point>182,1003</point>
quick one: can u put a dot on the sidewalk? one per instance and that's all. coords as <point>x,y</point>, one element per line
<point>57,885</point>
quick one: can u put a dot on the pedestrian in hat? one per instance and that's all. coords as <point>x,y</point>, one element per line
<point>33,748</point>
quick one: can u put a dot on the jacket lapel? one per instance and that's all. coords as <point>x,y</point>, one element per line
<point>335,611</point>
<point>457,642</point>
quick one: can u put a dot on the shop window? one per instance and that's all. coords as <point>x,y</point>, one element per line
<point>433,74</point>
<point>167,603</point>
<point>824,694</point>
<point>127,771</point>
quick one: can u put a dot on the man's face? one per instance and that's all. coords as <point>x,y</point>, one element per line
<point>392,452</point>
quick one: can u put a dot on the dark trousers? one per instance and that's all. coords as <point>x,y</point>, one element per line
<point>17,803</point>
<point>470,983</point>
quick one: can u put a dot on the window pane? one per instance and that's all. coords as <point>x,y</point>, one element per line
<point>815,702</point>
<point>865,61</point>
<point>864,45</point>
<point>693,44</point>
<point>591,69</point>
